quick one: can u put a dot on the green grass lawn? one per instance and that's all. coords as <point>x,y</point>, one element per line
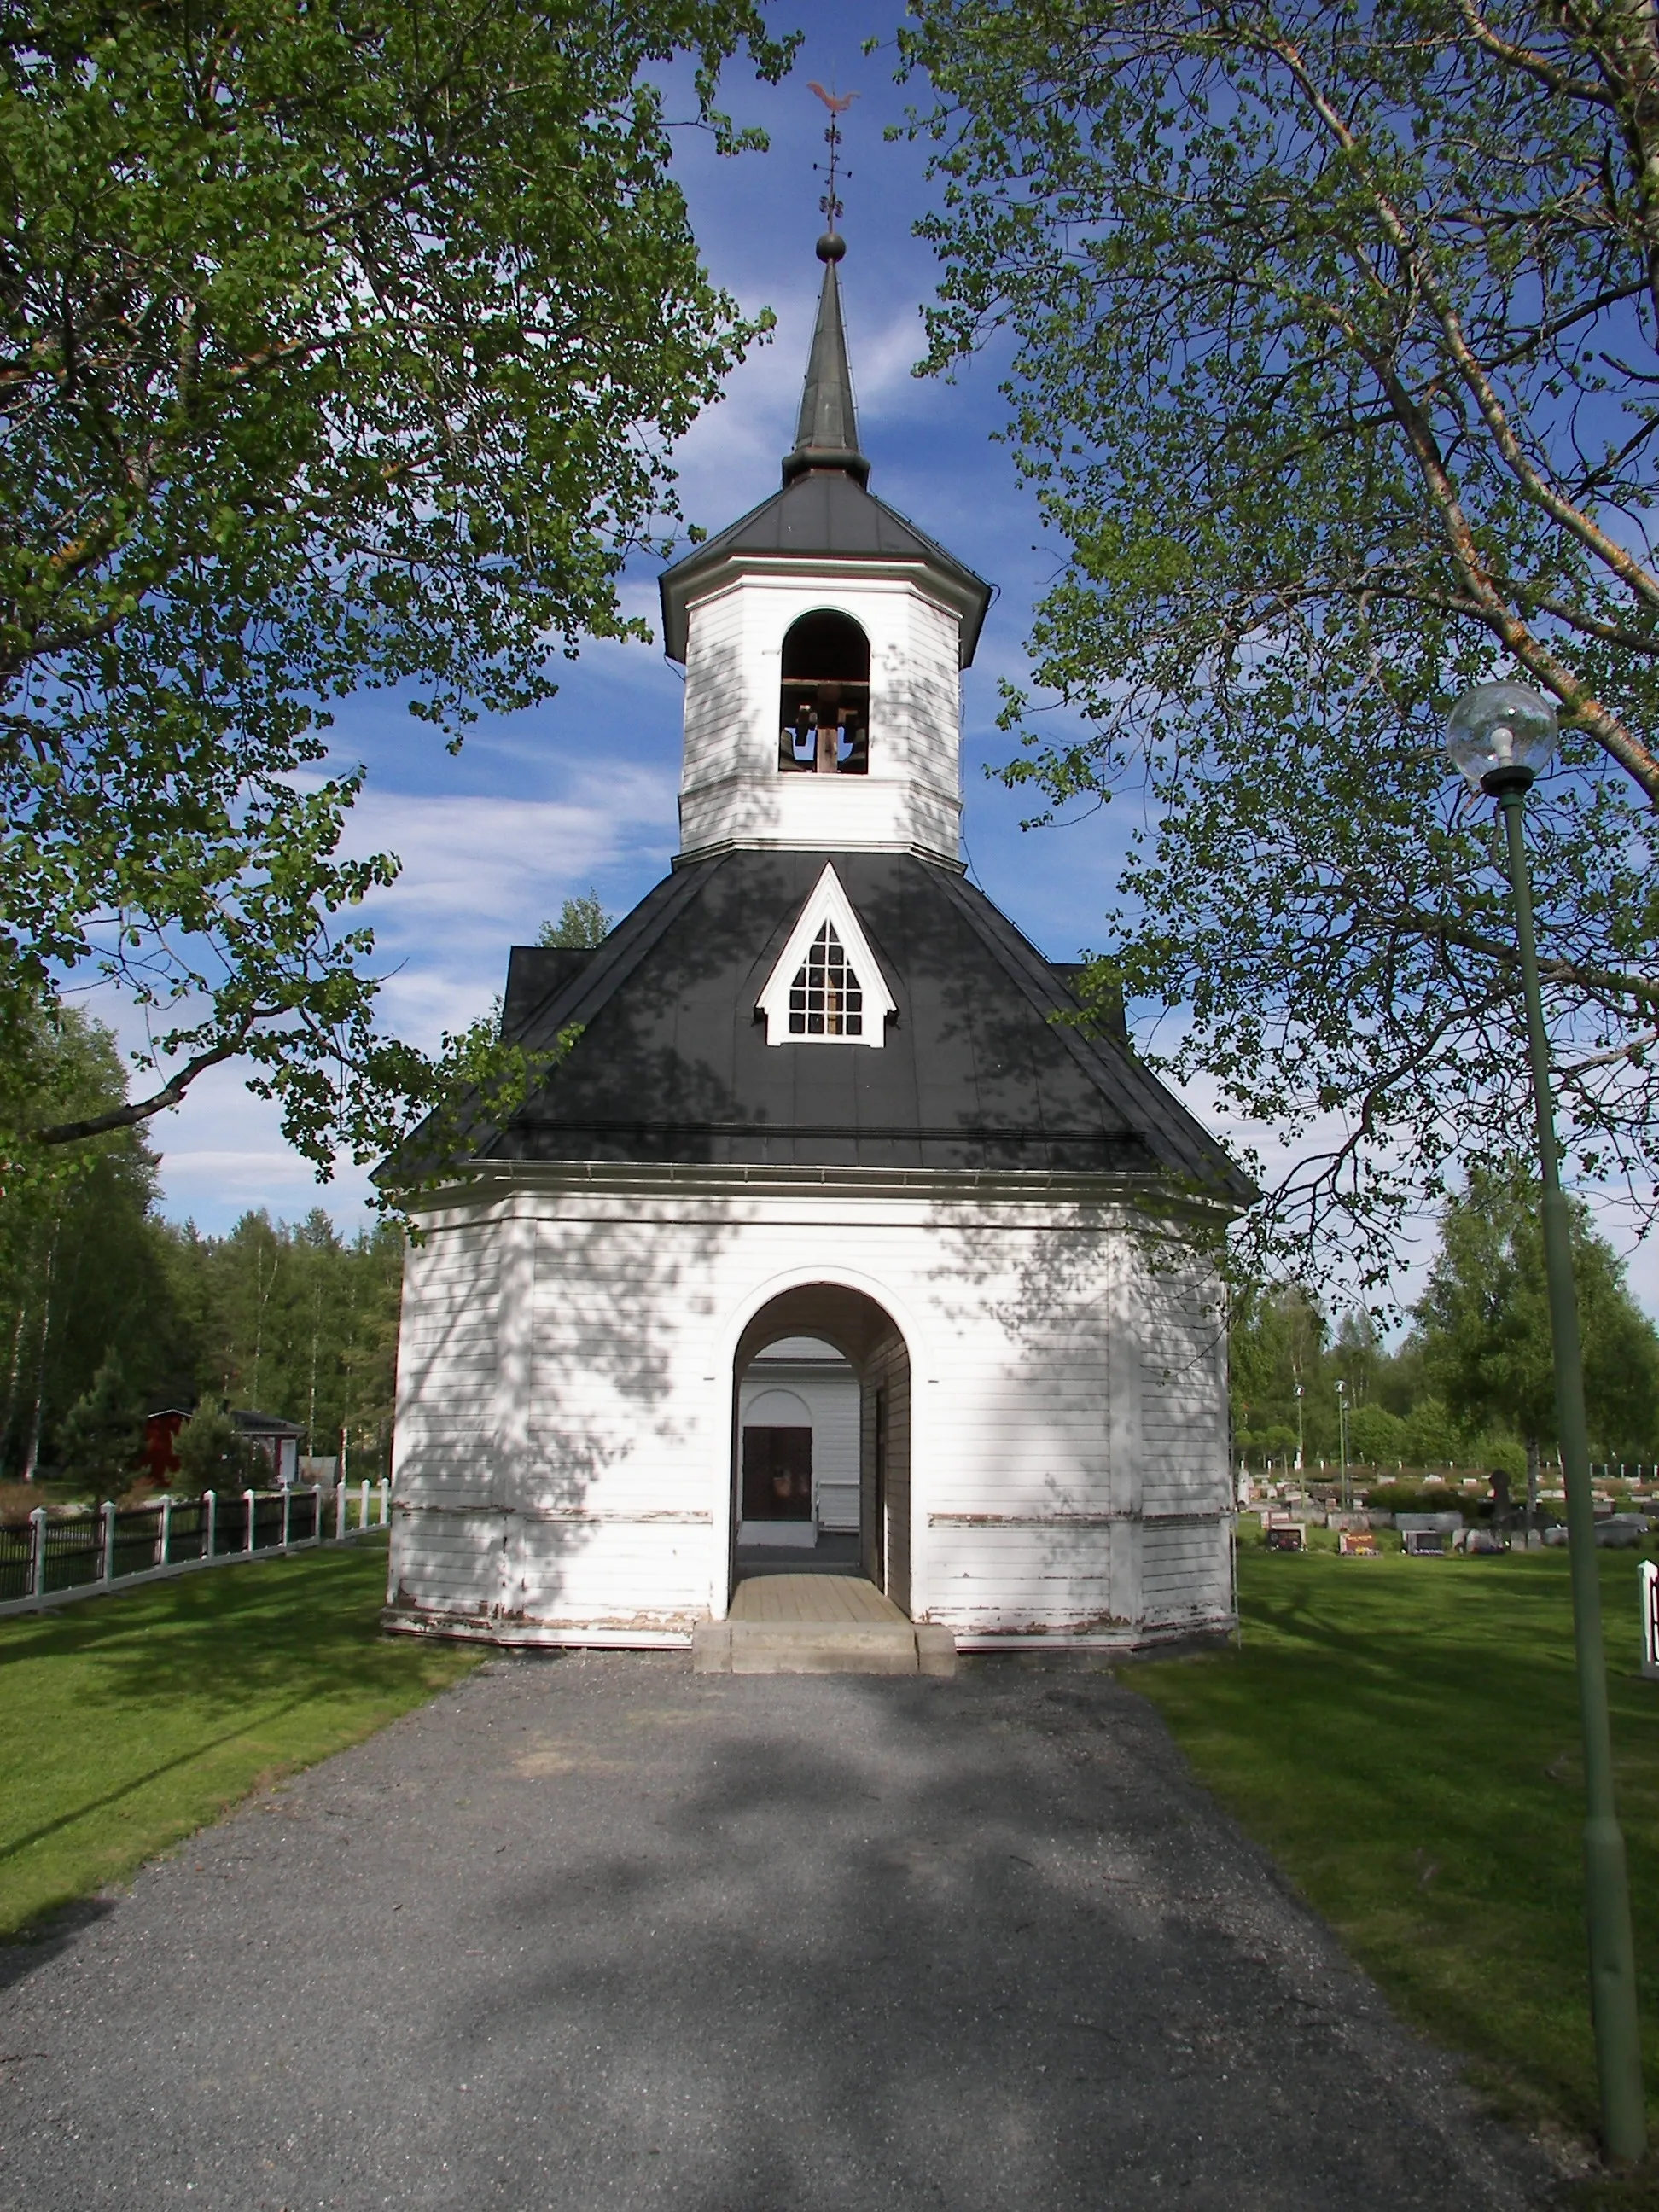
<point>133,1720</point>
<point>1402,1735</point>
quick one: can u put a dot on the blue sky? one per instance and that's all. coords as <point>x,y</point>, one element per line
<point>582,792</point>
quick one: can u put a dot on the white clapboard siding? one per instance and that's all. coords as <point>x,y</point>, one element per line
<point>1183,1403</point>
<point>567,1376</point>
<point>1022,1581</point>
<point>1185,1574</point>
<point>446,1531</point>
<point>615,1572</point>
<point>447,1562</point>
<point>729,787</point>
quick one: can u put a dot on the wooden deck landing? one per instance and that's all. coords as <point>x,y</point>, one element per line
<point>817,1625</point>
<point>839,1598</point>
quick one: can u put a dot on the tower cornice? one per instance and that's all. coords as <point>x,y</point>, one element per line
<point>821,523</point>
<point>949,584</point>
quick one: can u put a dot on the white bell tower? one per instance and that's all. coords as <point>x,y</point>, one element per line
<point>823,638</point>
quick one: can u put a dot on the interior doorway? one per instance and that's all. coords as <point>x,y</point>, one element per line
<point>821,1441</point>
<point>777,1477</point>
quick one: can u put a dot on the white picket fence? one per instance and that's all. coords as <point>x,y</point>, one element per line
<point>49,1560</point>
<point>1649,1574</point>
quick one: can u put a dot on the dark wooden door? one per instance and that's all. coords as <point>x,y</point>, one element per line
<point>777,1474</point>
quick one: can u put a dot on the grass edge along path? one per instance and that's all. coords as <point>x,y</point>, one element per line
<point>1402,1736</point>
<point>136,1719</point>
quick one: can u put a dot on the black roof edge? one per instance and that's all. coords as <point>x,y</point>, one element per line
<point>572,998</point>
<point>1174,1132</point>
<point>534,972</point>
<point>575,1001</point>
<point>716,548</point>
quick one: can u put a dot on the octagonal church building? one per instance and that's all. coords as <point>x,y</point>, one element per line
<point>839,1238</point>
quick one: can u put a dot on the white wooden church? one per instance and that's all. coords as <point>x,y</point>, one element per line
<point>833,1233</point>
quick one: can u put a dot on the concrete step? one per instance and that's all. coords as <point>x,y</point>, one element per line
<point>821,1647</point>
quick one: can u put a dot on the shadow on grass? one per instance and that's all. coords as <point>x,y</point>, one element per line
<point>137,1717</point>
<point>223,1635</point>
<point>1403,1736</point>
<point>33,1835</point>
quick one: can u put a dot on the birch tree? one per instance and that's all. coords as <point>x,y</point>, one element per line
<point>343,345</point>
<point>1332,332</point>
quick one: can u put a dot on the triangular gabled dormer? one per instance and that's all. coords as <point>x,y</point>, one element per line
<point>827,986</point>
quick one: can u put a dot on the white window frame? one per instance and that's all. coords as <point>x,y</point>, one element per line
<point>828,902</point>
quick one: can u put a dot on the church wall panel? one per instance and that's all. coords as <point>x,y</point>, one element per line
<point>611,1573</point>
<point>443,1556</point>
<point>1014,1397</point>
<point>445,1561</point>
<point>1004,1583</point>
<point>730,788</point>
<point>1186,1574</point>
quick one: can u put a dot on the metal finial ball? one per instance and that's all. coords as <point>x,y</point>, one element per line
<point>831,246</point>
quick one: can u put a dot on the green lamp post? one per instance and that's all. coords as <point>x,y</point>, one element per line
<point>1499,736</point>
<point>1342,1438</point>
<point>1299,1428</point>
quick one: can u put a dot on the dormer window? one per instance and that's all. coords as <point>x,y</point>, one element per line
<point>826,986</point>
<point>825,697</point>
<point>826,998</point>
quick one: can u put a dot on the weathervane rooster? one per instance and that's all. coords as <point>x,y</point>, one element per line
<point>837,105</point>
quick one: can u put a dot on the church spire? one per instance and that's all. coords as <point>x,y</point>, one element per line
<point>826,436</point>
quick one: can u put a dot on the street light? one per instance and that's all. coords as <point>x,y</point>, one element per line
<point>1299,1428</point>
<point>1499,736</point>
<point>1342,1436</point>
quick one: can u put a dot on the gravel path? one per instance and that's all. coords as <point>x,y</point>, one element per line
<point>599,1933</point>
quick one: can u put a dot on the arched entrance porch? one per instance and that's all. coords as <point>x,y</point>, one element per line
<point>868,1339</point>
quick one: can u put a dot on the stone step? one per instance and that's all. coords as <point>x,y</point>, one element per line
<point>821,1647</point>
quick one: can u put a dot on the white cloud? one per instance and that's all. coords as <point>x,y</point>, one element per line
<point>480,872</point>
<point>475,861</point>
<point>223,1155</point>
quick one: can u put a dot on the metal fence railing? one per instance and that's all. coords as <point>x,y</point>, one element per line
<point>48,1555</point>
<point>17,1559</point>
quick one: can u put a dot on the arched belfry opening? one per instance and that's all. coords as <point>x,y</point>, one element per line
<point>825,702</point>
<point>821,1441</point>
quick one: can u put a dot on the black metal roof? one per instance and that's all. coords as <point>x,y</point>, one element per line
<point>825,515</point>
<point>673,1065</point>
<point>265,1425</point>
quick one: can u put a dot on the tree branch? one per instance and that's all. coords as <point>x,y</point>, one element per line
<point>1561,510</point>
<point>140,1109</point>
<point>1531,64</point>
